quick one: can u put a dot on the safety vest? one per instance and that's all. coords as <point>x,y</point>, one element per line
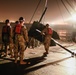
<point>18,29</point>
<point>50,31</point>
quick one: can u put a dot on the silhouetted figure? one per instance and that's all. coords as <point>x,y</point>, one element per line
<point>7,37</point>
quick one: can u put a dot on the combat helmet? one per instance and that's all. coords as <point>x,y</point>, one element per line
<point>21,19</point>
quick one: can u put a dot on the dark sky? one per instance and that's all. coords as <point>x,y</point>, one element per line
<point>13,9</point>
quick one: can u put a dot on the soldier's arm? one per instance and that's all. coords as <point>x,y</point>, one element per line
<point>10,32</point>
<point>43,31</point>
<point>25,33</point>
<point>10,35</point>
<point>2,33</point>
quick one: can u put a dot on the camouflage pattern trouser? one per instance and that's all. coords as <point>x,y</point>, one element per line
<point>6,46</point>
<point>19,47</point>
<point>11,47</point>
<point>47,42</point>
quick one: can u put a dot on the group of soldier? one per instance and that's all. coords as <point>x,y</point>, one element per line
<point>17,39</point>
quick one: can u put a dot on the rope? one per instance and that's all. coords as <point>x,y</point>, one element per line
<point>60,9</point>
<point>42,14</point>
<point>65,7</point>
<point>70,5</point>
<point>43,11</point>
<point>35,11</point>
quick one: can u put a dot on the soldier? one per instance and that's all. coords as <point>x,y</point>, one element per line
<point>32,42</point>
<point>48,34</point>
<point>7,37</point>
<point>16,22</point>
<point>20,40</point>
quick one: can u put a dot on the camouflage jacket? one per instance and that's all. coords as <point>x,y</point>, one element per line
<point>23,36</point>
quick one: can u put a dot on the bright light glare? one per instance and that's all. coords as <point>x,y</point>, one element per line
<point>70,66</point>
<point>74,17</point>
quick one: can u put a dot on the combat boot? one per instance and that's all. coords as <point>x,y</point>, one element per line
<point>21,57</point>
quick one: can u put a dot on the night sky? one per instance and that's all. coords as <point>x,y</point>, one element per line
<point>13,9</point>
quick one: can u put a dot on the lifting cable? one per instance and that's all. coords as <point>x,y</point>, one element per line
<point>70,5</point>
<point>44,11</point>
<point>74,2</point>
<point>65,7</point>
<point>35,11</point>
<point>59,9</point>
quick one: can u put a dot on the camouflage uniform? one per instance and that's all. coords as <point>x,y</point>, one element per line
<point>20,41</point>
<point>7,37</point>
<point>11,44</point>
<point>32,41</point>
<point>47,39</point>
